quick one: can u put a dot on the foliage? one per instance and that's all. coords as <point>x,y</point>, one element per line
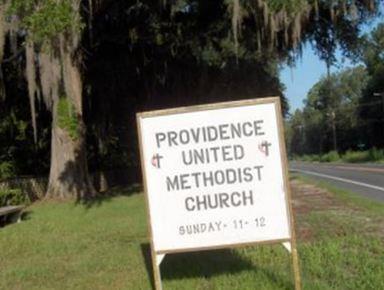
<point>372,155</point>
<point>174,48</point>
<point>350,156</point>
<point>331,156</point>
<point>356,156</point>
<point>376,154</point>
<point>372,102</point>
<point>7,170</point>
<point>19,155</point>
<point>13,197</point>
<point>348,15</point>
<point>352,101</point>
<point>183,53</point>
<point>45,20</point>
<point>291,6</point>
<point>67,119</point>
<point>307,157</point>
<point>333,101</point>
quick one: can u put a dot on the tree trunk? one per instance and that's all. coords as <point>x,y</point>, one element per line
<point>69,176</point>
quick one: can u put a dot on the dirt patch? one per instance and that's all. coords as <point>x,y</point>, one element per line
<point>307,198</point>
<point>317,211</point>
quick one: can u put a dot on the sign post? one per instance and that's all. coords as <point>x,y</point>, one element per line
<point>215,176</point>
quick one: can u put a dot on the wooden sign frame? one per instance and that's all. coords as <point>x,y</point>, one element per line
<point>290,243</point>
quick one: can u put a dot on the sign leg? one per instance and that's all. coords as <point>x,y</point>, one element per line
<point>156,271</point>
<point>288,246</point>
<point>295,264</point>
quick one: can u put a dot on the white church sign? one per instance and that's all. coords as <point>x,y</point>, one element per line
<point>216,176</point>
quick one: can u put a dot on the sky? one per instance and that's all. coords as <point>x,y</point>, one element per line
<point>308,70</point>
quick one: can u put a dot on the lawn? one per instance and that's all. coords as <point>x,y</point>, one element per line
<point>104,245</point>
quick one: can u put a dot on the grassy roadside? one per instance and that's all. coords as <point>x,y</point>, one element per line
<point>350,199</point>
<point>344,236</point>
<point>103,245</point>
<point>373,156</point>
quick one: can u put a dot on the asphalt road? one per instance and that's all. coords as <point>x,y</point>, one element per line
<point>364,179</point>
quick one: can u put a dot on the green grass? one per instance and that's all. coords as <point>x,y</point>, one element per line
<point>103,245</point>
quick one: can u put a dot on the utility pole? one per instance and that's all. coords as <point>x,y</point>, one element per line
<point>333,118</point>
<point>332,114</point>
<point>382,99</point>
<point>302,133</point>
<point>382,102</point>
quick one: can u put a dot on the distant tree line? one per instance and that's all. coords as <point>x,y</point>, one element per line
<point>344,110</point>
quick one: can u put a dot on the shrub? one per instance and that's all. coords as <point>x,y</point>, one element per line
<point>307,158</point>
<point>331,156</point>
<point>350,156</point>
<point>13,197</point>
<point>376,154</point>
<point>315,157</point>
<point>7,170</point>
<point>356,156</point>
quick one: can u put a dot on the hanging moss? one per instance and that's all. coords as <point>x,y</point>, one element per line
<point>290,6</point>
<point>67,119</point>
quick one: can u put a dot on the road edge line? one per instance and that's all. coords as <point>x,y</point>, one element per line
<point>338,179</point>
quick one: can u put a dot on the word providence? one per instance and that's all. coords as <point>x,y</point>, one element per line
<point>210,133</point>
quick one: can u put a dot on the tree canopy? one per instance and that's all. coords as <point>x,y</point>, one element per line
<point>372,103</point>
<point>83,59</point>
<point>330,114</point>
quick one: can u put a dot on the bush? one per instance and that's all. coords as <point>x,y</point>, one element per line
<point>13,197</point>
<point>356,156</point>
<point>372,155</point>
<point>331,156</point>
<point>7,170</point>
<point>376,154</point>
<point>307,158</point>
